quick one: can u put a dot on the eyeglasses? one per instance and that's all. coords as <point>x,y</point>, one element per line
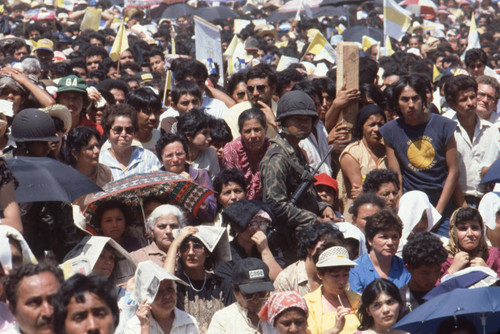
<point>119,129</point>
<point>170,156</point>
<point>257,295</point>
<point>260,88</point>
<point>259,225</point>
<point>240,95</point>
<point>197,247</point>
<point>481,95</point>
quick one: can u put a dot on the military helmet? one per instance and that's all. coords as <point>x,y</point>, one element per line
<point>33,125</point>
<point>296,103</point>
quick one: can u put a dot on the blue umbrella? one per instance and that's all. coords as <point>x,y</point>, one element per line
<point>478,305</point>
<point>462,282</point>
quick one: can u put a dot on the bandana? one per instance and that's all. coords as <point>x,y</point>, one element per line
<point>280,302</point>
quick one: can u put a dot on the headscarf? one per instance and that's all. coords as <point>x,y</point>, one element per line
<point>488,208</point>
<point>453,244</point>
<point>411,206</point>
<point>280,302</point>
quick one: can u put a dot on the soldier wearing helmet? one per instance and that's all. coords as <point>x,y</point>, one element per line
<point>32,130</point>
<point>282,169</point>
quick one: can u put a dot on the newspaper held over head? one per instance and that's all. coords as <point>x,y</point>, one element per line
<point>83,257</point>
<point>215,240</point>
<point>148,277</point>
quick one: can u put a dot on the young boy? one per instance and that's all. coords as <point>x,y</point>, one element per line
<point>422,256</point>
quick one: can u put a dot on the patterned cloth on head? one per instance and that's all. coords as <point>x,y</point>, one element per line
<point>280,302</point>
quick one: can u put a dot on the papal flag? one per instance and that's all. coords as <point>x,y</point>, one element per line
<point>320,47</point>
<point>396,19</point>
<point>473,39</point>
<point>367,42</point>
<point>120,44</point>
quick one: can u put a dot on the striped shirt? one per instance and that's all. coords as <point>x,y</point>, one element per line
<point>141,161</point>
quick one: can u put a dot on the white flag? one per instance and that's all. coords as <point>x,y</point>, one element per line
<point>208,44</point>
<point>396,19</point>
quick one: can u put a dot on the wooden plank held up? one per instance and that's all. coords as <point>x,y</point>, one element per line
<point>348,72</point>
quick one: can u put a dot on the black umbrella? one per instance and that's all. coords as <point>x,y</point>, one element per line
<point>46,179</point>
<point>215,13</point>
<point>340,2</point>
<point>276,15</point>
<point>356,33</point>
<point>177,10</point>
<point>329,11</point>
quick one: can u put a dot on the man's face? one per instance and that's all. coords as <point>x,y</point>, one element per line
<point>299,125</point>
<point>148,120</point>
<point>199,81</point>
<point>465,102</point>
<point>44,55</point>
<point>187,102</point>
<point>156,64</point>
<point>486,100</point>
<point>462,45</point>
<point>411,106</point>
<point>424,278</point>
<point>414,43</point>
<point>81,72</point>
<point>476,68</point>
<point>34,303</point>
<point>119,95</point>
<point>96,42</point>
<point>20,53</point>
<point>34,35</point>
<point>89,314</point>
<point>258,89</point>
<point>364,211</point>
<point>93,62</point>
<point>74,102</point>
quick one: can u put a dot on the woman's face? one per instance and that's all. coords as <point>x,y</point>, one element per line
<point>389,192</point>
<point>253,135</point>
<point>105,263</point>
<point>371,127</point>
<point>384,311</point>
<point>89,155</point>
<point>113,223</point>
<point>291,321</point>
<point>201,140</point>
<point>121,133</point>
<point>165,300</point>
<point>193,254</point>
<point>240,92</point>
<point>469,234</point>
<point>173,157</point>
<point>335,280</point>
<point>230,192</point>
<point>163,231</point>
<point>385,243</point>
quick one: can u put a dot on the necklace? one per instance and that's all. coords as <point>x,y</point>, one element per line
<point>191,284</point>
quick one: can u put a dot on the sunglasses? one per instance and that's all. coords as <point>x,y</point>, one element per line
<point>259,225</point>
<point>240,95</point>
<point>260,88</point>
<point>119,129</point>
<point>197,247</point>
<point>257,295</point>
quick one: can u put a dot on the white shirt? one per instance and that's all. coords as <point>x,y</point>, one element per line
<point>233,319</point>
<point>184,323</point>
<point>316,148</point>
<point>475,155</point>
<point>208,161</point>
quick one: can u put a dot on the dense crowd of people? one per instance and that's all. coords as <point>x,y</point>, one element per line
<point>397,207</point>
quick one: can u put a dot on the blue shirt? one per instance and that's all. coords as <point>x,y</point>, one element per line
<point>364,273</point>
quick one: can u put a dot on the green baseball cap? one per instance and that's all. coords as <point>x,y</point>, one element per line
<point>72,83</point>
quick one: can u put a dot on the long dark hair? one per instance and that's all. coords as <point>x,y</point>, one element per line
<point>371,293</point>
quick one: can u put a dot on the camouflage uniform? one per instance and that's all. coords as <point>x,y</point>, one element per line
<point>281,172</point>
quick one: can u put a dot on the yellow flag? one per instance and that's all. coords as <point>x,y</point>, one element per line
<point>120,44</point>
<point>320,47</point>
<point>91,19</point>
<point>367,42</point>
<point>388,45</point>
<point>435,73</point>
<point>232,46</point>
